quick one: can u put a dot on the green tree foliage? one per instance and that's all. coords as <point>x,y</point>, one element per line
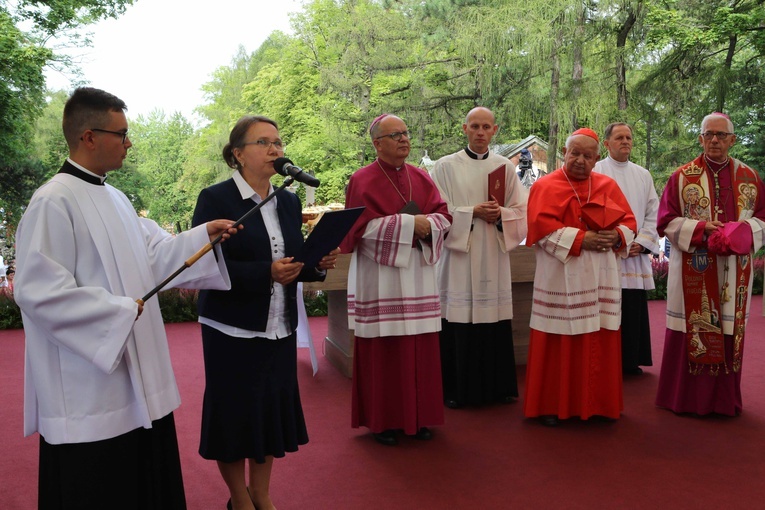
<point>225,105</point>
<point>349,62</point>
<point>21,99</point>
<point>159,160</point>
<point>702,57</point>
<point>51,16</point>
<point>49,144</point>
<point>23,56</point>
<point>544,66</point>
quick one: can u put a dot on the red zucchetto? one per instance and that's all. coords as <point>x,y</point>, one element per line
<point>586,132</point>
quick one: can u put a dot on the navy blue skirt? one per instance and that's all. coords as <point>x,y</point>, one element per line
<point>251,406</point>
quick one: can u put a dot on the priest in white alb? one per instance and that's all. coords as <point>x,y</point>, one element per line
<point>636,270</point>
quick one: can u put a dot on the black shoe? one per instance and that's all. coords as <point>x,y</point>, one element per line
<point>424,434</point>
<point>549,421</point>
<point>633,371</point>
<point>387,437</point>
<point>508,400</point>
<point>452,404</point>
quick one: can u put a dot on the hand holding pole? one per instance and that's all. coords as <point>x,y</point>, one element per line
<point>209,246</point>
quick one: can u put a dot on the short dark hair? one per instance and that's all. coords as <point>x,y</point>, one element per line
<point>610,128</point>
<point>237,137</point>
<point>87,108</point>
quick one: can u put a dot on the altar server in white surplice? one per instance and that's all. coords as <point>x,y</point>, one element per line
<point>636,271</point>
<point>477,358</point>
<point>99,387</point>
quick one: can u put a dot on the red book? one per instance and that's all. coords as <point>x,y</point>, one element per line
<point>497,185</point>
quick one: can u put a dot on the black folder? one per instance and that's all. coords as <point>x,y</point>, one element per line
<point>327,234</point>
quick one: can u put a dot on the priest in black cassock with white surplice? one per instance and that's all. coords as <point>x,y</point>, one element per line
<point>98,384</point>
<point>477,356</point>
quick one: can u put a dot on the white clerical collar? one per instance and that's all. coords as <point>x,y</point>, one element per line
<point>618,163</point>
<point>475,155</point>
<point>384,165</point>
<point>246,190</point>
<point>101,178</point>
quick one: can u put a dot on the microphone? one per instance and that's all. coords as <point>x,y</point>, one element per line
<point>285,167</point>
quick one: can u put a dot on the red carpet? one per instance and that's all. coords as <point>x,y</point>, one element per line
<point>489,458</point>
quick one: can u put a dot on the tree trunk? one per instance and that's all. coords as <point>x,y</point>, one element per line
<point>577,65</point>
<point>723,80</point>
<point>621,68</point>
<point>366,153</point>
<point>552,150</point>
<point>674,162</point>
<point>648,127</point>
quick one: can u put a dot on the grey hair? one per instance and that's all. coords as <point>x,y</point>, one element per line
<point>571,137</point>
<point>717,115</point>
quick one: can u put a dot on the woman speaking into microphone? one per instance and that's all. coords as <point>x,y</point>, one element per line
<point>252,411</point>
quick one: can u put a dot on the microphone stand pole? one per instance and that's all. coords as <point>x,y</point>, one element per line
<point>209,246</point>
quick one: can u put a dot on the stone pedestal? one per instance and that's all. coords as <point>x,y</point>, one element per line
<point>338,345</point>
<point>522,264</point>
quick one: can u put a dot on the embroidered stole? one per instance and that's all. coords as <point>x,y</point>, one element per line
<point>703,295</point>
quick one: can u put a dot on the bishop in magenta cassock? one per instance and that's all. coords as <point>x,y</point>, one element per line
<point>574,362</point>
<point>713,212</point>
<point>393,303</point>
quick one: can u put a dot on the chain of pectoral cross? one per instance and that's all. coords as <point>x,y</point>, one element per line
<point>718,209</point>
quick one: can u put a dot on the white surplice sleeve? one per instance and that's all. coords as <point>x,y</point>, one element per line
<point>647,235</point>
<point>462,223</point>
<point>166,250</point>
<point>388,240</point>
<point>559,243</point>
<point>758,232</point>
<point>513,214</point>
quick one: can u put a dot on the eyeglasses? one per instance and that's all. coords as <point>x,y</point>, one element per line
<point>266,144</point>
<point>395,136</point>
<point>123,134</point>
<point>722,136</point>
